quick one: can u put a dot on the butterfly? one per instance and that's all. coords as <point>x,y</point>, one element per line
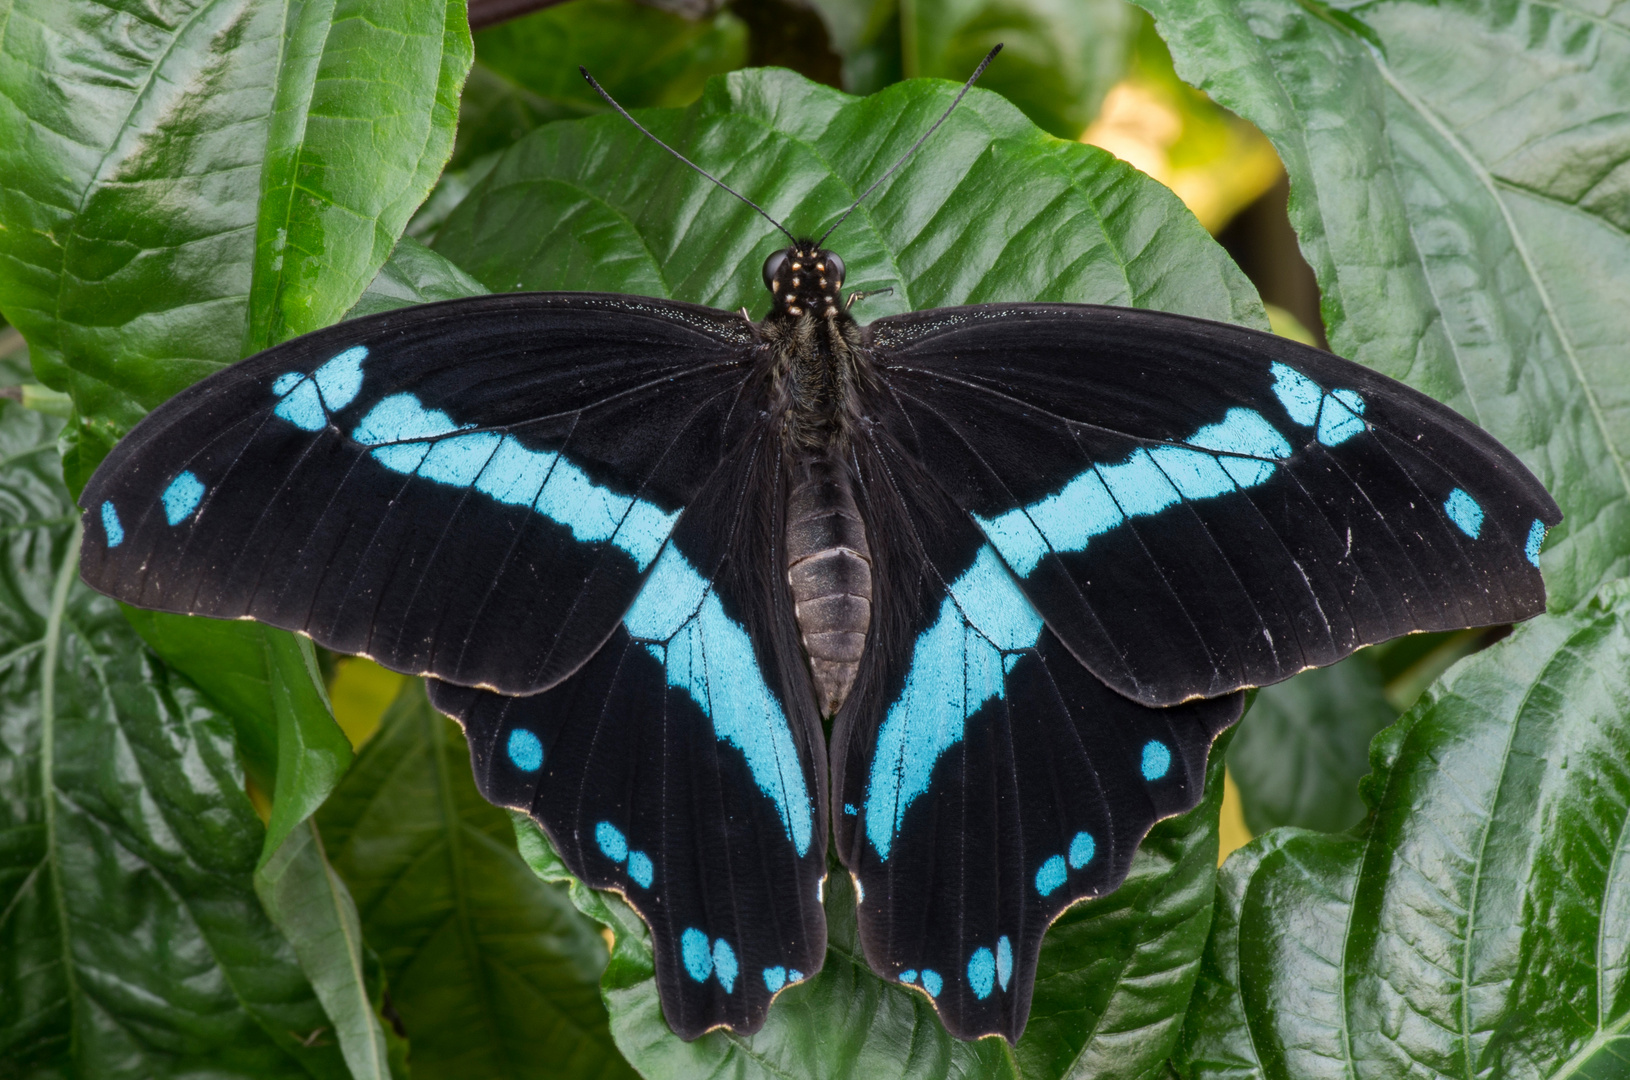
<point>966,594</point>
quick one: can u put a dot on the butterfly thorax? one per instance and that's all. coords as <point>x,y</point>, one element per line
<point>817,368</point>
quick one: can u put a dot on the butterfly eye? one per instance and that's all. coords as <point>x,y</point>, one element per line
<point>773,267</point>
<point>834,269</point>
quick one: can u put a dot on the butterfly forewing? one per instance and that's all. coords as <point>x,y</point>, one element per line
<point>684,764</point>
<point>1195,508</point>
<point>472,490</point>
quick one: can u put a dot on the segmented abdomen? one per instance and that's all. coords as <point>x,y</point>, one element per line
<point>829,566</point>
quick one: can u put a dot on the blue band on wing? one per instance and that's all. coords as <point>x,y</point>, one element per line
<point>409,438</point>
<point>956,666</point>
<point>1241,451</point>
<point>710,656</point>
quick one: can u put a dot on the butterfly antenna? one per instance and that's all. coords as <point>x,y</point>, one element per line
<point>598,89</point>
<point>978,71</point>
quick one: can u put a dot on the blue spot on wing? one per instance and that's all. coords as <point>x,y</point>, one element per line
<point>1004,960</point>
<point>1051,875</point>
<point>956,666</point>
<point>1339,419</point>
<point>1082,849</point>
<point>525,751</point>
<point>1298,394</point>
<point>1337,415</point>
<point>1157,759</point>
<point>775,978</point>
<point>1242,450</point>
<point>181,498</point>
<point>641,869</point>
<point>724,964</point>
<point>1536,540</point>
<point>697,954</point>
<point>932,982</point>
<point>116,533</point>
<point>710,656</point>
<point>909,975</point>
<point>613,845</point>
<point>308,399</point>
<point>1465,512</point>
<point>982,973</point>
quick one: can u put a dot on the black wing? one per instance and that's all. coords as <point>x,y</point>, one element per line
<point>684,765</point>
<point>984,779</point>
<point>1195,507</point>
<point>471,489</point>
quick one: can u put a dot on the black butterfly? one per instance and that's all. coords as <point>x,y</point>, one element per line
<point>1024,557</point>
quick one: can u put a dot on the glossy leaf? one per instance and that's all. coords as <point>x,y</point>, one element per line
<point>1458,185</point>
<point>526,69</point>
<point>991,208</point>
<point>185,184</point>
<point>492,971</point>
<point>1304,745</point>
<point>131,940</point>
<point>266,681</point>
<point>307,900</point>
<point>1479,923</point>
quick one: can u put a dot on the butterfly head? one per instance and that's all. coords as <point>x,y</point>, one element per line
<point>804,279</point>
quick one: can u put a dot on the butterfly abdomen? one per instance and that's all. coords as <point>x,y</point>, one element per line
<point>829,566</point>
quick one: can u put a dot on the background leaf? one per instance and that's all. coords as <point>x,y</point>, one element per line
<point>311,905</point>
<point>526,74</point>
<point>493,972</point>
<point>180,186</point>
<point>990,209</point>
<point>1059,57</point>
<point>1304,745</point>
<point>1458,185</point>
<point>1477,924</point>
<point>131,940</point>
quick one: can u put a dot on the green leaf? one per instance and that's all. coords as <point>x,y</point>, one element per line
<point>311,905</point>
<point>1477,924</point>
<point>177,187</point>
<point>267,681</point>
<point>1303,746</point>
<point>361,125</point>
<point>1457,184</point>
<point>131,940</point>
<point>492,971</point>
<point>526,69</point>
<point>1085,1020</point>
<point>991,208</point>
<point>413,275</point>
<point>1059,57</point>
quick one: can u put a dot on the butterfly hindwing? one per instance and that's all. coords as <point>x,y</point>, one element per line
<point>471,489</point>
<point>1195,508</point>
<point>984,779</point>
<point>684,765</point>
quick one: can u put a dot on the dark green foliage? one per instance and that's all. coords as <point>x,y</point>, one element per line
<point>181,187</point>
